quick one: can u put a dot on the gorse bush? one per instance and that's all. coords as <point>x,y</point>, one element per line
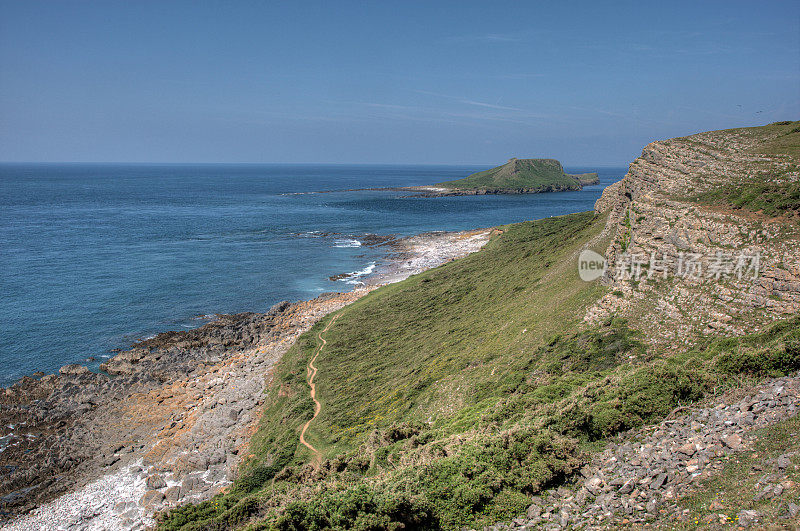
<point>362,508</point>
<point>779,356</point>
<point>640,396</point>
<point>515,464</point>
<point>220,512</point>
<point>592,350</point>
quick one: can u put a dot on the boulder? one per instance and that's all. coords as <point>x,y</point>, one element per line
<point>151,498</point>
<point>594,485</point>
<point>73,370</point>
<point>172,494</point>
<point>155,482</point>
<point>732,441</point>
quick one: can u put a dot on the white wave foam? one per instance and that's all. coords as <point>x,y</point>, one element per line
<point>353,278</point>
<point>347,243</point>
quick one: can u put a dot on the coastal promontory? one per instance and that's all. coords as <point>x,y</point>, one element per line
<point>517,176</point>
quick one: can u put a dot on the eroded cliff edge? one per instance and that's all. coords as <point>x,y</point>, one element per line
<point>673,209</point>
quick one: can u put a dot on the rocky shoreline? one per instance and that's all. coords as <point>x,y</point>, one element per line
<point>167,420</point>
<point>439,191</point>
<point>433,191</point>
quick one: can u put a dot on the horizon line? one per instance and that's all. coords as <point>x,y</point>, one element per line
<point>131,163</point>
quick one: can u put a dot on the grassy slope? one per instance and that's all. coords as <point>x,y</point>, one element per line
<point>445,336</point>
<point>452,336</point>
<point>518,174</point>
<point>767,192</point>
<point>450,398</point>
<point>787,141</point>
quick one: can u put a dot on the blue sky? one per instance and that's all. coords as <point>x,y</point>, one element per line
<point>386,82</point>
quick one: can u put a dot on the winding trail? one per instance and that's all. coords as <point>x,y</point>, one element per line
<point>311,373</point>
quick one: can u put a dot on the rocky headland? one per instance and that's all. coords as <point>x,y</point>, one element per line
<point>674,248</point>
<point>517,176</point>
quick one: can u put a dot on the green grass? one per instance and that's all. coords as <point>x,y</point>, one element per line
<point>450,398</point>
<point>777,138</point>
<point>769,198</point>
<point>522,175</point>
<point>446,335</point>
<point>451,335</point>
<point>770,191</point>
<point>582,387</point>
<point>784,138</point>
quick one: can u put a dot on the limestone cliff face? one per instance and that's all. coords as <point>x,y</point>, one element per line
<point>654,221</point>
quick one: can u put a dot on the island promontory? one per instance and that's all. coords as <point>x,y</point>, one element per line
<point>517,176</point>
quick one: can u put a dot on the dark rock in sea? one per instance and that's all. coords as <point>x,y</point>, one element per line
<point>377,240</point>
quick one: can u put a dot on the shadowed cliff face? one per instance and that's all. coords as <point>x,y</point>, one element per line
<point>680,205</point>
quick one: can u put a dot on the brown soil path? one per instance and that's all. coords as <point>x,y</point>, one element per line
<point>312,372</point>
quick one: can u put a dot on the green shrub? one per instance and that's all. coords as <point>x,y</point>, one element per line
<point>360,508</point>
<point>220,512</point>
<point>771,198</point>
<point>640,396</point>
<point>771,362</point>
<point>515,463</point>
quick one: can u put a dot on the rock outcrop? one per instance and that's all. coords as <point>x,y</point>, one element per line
<point>176,412</point>
<point>681,269</point>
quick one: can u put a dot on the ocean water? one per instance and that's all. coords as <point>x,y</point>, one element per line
<point>94,257</point>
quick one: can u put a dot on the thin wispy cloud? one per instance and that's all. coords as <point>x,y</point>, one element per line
<point>489,37</point>
<point>501,37</point>
<point>466,101</point>
<point>508,115</point>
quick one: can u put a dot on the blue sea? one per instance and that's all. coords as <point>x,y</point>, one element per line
<point>96,256</point>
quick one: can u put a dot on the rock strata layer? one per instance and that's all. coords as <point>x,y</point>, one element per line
<point>735,270</point>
